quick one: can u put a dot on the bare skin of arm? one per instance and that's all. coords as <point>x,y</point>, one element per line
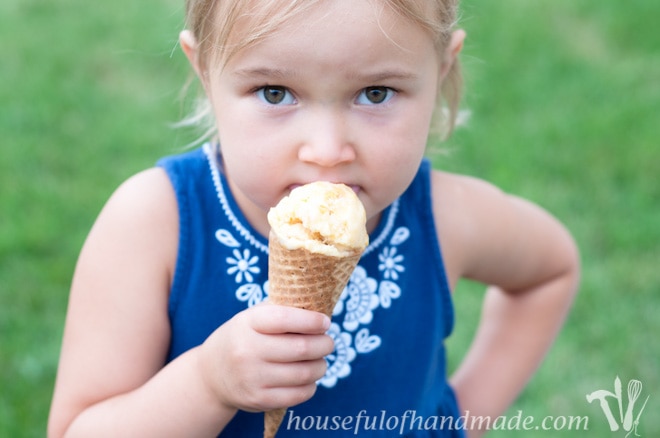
<point>532,265</point>
<point>112,380</point>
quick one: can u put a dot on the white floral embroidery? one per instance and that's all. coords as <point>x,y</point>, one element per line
<point>243,265</point>
<point>227,239</point>
<point>339,362</point>
<point>365,343</point>
<point>400,235</point>
<point>359,299</point>
<point>389,263</point>
<point>250,293</point>
<point>386,292</point>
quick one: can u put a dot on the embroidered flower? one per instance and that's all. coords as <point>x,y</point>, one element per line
<point>339,362</point>
<point>226,238</point>
<point>387,291</point>
<point>251,292</point>
<point>400,235</point>
<point>366,342</point>
<point>389,263</point>
<point>361,299</point>
<point>243,265</point>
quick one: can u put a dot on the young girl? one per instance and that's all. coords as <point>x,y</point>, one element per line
<point>167,331</point>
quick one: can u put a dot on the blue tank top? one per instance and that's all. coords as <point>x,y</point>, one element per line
<point>387,375</point>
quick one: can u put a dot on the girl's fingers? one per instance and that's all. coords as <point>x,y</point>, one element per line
<point>291,347</point>
<point>274,319</point>
<point>295,374</point>
<point>285,396</point>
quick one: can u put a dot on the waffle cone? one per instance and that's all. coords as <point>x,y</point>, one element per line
<point>272,421</point>
<point>307,280</point>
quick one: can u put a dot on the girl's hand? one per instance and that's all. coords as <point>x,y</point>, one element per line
<point>266,357</point>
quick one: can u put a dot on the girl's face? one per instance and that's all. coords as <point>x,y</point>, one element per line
<point>344,93</point>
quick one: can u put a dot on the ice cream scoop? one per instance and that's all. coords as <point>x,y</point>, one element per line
<point>322,217</point>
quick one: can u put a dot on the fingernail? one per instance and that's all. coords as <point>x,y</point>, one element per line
<point>326,322</point>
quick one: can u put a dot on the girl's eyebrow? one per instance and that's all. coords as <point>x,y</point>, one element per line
<point>378,76</point>
<point>265,72</point>
<point>375,77</point>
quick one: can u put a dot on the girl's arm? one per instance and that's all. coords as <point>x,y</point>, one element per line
<point>533,266</point>
<point>117,330</point>
<point>112,380</point>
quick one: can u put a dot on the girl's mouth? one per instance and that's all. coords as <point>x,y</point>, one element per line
<point>356,189</point>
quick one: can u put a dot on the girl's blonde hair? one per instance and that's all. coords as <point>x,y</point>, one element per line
<point>214,26</point>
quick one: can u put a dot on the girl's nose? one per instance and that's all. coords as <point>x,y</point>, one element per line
<point>327,141</point>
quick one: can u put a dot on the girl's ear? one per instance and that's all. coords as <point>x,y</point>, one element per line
<point>451,52</point>
<point>190,48</point>
<point>456,43</point>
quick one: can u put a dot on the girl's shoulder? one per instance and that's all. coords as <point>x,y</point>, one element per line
<point>459,203</point>
<point>495,237</point>
<point>143,209</point>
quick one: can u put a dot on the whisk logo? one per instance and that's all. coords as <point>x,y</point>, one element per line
<point>627,419</point>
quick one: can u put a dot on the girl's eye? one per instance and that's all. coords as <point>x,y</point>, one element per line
<point>275,95</point>
<point>375,95</point>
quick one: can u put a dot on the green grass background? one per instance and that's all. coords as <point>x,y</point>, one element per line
<point>565,101</point>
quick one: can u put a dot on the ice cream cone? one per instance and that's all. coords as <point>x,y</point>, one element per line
<point>272,421</point>
<point>318,234</point>
<point>307,280</point>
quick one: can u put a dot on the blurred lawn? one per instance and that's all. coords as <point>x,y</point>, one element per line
<point>565,100</point>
